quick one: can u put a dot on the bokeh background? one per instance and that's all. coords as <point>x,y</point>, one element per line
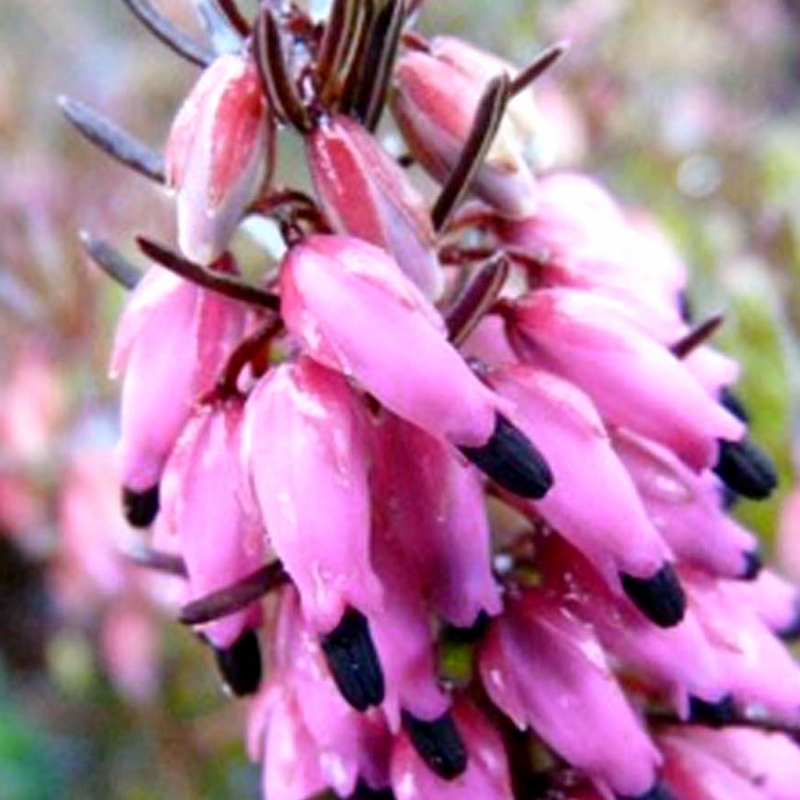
<point>689,110</point>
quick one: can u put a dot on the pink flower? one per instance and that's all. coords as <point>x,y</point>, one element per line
<point>366,194</point>
<point>633,381</point>
<point>219,153</point>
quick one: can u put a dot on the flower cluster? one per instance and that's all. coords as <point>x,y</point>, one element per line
<point>461,463</point>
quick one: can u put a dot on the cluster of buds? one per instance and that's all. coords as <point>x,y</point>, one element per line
<point>460,464</point>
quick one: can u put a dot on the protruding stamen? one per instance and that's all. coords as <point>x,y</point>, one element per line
<point>478,296</point>
<point>715,715</point>
<point>232,598</point>
<point>697,336</point>
<point>274,72</point>
<point>658,792</point>
<point>752,565</point>
<point>168,33</point>
<point>512,461</point>
<point>438,743</point>
<point>537,67</point>
<point>660,598</point>
<point>109,260</point>
<point>352,75</point>
<point>363,792</point>
<point>156,560</point>
<point>353,661</point>
<point>731,402</point>
<point>220,282</point>
<point>240,664</point>
<point>376,70</point>
<point>140,508</point>
<point>488,115</point>
<point>113,140</point>
<point>747,469</point>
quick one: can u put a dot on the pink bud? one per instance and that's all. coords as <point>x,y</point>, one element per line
<point>546,670</point>
<point>633,381</point>
<point>434,105</point>
<point>593,502</point>
<point>435,503</point>
<point>680,502</point>
<point>220,545</point>
<point>172,340</point>
<point>354,310</point>
<point>366,194</point>
<point>219,152</point>
<point>304,445</point>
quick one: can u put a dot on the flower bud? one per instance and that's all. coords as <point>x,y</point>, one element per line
<point>219,152</point>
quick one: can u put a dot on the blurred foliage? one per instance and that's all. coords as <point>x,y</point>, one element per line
<point>687,109</point>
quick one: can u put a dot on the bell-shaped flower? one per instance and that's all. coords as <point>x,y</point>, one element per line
<point>680,503</point>
<point>758,666</point>
<point>679,659</point>
<point>435,502</point>
<point>220,543</point>
<point>434,104</point>
<point>485,778</point>
<point>172,341</point>
<point>366,194</point>
<point>634,382</point>
<point>218,155</point>
<point>593,502</point>
<point>767,760</point>
<point>545,669</point>
<point>691,771</point>
<point>304,444</point>
<point>354,311</point>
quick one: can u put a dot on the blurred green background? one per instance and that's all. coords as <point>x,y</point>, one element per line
<point>689,109</point>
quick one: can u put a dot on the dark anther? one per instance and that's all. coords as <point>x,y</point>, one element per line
<point>363,792</point>
<point>470,635</point>
<point>438,743</point>
<point>747,469</point>
<point>685,307</point>
<point>697,336</point>
<point>114,264</point>
<point>791,633</point>
<point>730,402</point>
<point>537,67</point>
<point>511,460</point>
<point>172,36</point>
<point>353,661</point>
<point>660,598</point>
<point>752,565</point>
<point>140,508</point>
<point>113,140</point>
<point>240,664</point>
<point>727,497</point>
<point>658,792</point>
<point>715,715</point>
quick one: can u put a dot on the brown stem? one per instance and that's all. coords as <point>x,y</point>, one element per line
<point>236,596</point>
<point>219,282</point>
<point>234,16</point>
<point>243,355</point>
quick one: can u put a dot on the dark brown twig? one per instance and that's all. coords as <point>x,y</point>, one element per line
<point>484,127</point>
<point>234,16</point>
<point>478,296</point>
<point>352,75</point>
<point>227,285</point>
<point>236,596</point>
<point>172,36</point>
<point>243,355</point>
<point>698,335</point>
<point>526,76</point>
<point>113,140</point>
<point>113,263</point>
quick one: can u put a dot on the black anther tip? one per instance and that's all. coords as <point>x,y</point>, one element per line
<point>512,461</point>
<point>790,633</point>
<point>658,792</point>
<point>438,743</point>
<point>713,714</point>
<point>353,661</point>
<point>752,565</point>
<point>364,792</point>
<point>731,402</point>
<point>660,597</point>
<point>746,469</point>
<point>240,664</point>
<point>140,508</point>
